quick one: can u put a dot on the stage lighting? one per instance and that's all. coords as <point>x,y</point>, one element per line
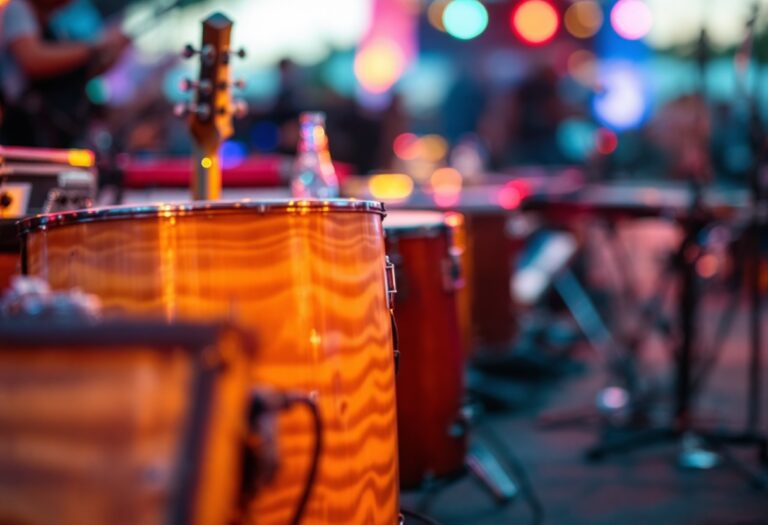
<point>465,19</point>
<point>535,22</point>
<point>631,19</point>
<point>378,65</point>
<point>583,18</point>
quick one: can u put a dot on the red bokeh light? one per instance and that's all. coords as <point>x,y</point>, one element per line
<point>606,141</point>
<point>535,22</point>
<point>511,195</point>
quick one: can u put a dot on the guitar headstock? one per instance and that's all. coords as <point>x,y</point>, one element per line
<point>210,114</point>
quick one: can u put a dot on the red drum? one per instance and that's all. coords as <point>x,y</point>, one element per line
<point>430,388</point>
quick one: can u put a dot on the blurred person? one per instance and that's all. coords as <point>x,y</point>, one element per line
<point>44,72</point>
<point>537,111</point>
<point>682,129</point>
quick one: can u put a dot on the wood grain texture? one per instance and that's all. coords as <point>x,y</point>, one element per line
<point>430,387</point>
<point>311,285</point>
<point>9,266</point>
<point>93,435</point>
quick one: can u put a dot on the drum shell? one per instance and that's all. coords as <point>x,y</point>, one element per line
<point>9,252</point>
<point>311,282</point>
<point>430,389</point>
<point>121,423</point>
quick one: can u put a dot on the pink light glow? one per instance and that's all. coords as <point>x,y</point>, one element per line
<point>631,19</point>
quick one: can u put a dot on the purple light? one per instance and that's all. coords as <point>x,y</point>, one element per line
<point>232,154</point>
<point>623,102</point>
<point>631,19</point>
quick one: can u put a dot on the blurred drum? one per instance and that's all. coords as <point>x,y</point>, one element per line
<point>308,277</point>
<point>461,249</point>
<point>9,252</point>
<point>121,423</point>
<point>429,382</point>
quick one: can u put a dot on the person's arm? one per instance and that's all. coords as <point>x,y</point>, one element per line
<point>39,59</point>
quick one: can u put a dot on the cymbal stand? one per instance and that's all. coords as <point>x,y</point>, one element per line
<point>682,428</point>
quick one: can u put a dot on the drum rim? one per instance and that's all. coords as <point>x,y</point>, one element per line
<point>146,211</point>
<point>415,230</point>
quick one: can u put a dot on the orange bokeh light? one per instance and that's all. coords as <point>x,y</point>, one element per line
<point>583,19</point>
<point>535,22</point>
<point>379,65</point>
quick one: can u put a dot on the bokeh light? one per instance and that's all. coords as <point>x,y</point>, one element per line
<point>623,102</point>
<point>445,184</point>
<point>576,138</point>
<point>582,66</point>
<point>390,186</point>
<point>378,65</point>
<point>510,196</point>
<point>465,19</point>
<point>404,146</point>
<point>631,19</point>
<point>232,154</point>
<point>535,22</point>
<point>606,141</point>
<point>583,19</point>
<point>435,14</point>
<point>432,147</point>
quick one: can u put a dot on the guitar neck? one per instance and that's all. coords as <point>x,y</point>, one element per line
<point>206,175</point>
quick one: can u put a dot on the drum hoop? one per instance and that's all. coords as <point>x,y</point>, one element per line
<point>416,230</point>
<point>261,207</point>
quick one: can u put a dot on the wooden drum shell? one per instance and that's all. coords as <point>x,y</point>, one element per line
<point>430,387</point>
<point>310,280</point>
<point>121,423</point>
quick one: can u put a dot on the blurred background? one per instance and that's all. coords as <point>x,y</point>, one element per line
<point>415,85</point>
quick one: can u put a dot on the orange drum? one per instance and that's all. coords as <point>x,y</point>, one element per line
<point>461,249</point>
<point>9,252</point>
<point>308,277</point>
<point>430,384</point>
<point>121,423</point>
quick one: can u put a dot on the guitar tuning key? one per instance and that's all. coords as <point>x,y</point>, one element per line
<point>208,54</point>
<point>239,108</point>
<point>239,84</point>
<point>186,84</point>
<point>203,111</point>
<point>241,53</point>
<point>189,51</point>
<point>182,109</point>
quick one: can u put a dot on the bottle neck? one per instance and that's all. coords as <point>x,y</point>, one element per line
<point>313,138</point>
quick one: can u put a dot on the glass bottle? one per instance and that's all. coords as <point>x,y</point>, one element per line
<point>313,174</point>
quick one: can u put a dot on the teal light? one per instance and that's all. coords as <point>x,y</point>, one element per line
<point>465,19</point>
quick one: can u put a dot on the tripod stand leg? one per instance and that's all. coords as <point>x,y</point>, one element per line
<point>485,467</point>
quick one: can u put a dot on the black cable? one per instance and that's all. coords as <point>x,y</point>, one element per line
<point>417,516</point>
<point>314,410</point>
<point>526,487</point>
<point>272,402</point>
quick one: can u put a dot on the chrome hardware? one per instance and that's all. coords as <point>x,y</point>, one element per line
<point>203,87</point>
<point>208,53</point>
<point>391,283</point>
<point>239,84</point>
<point>453,278</point>
<point>203,111</point>
<point>239,108</point>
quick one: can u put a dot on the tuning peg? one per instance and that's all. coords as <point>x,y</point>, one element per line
<point>203,111</point>
<point>240,53</point>
<point>204,86</point>
<point>208,53</point>
<point>239,108</point>
<point>182,109</point>
<point>189,51</point>
<point>239,84</point>
<point>186,84</point>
